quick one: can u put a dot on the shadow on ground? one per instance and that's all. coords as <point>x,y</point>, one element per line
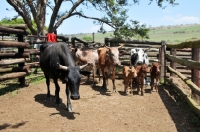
<point>62,110</point>
<point>180,114</point>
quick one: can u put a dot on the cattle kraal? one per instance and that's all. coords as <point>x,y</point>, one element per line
<point>57,63</point>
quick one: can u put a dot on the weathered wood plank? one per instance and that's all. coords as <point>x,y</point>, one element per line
<point>194,87</point>
<point>13,30</point>
<point>11,62</point>
<point>189,63</point>
<point>14,55</point>
<point>4,44</point>
<point>16,69</point>
<point>13,75</point>
<point>189,44</point>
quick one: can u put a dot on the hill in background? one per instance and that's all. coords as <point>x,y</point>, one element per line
<point>170,34</point>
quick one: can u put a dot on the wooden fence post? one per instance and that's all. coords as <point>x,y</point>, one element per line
<point>172,63</point>
<point>106,41</point>
<point>196,73</point>
<point>162,59</point>
<point>73,42</point>
<point>21,50</point>
<point>92,37</point>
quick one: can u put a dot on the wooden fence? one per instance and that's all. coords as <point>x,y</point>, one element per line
<point>186,56</point>
<point>15,61</point>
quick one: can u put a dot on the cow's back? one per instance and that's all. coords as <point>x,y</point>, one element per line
<point>53,53</point>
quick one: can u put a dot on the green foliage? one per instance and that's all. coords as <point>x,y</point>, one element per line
<point>133,30</point>
<point>87,38</point>
<point>16,21</point>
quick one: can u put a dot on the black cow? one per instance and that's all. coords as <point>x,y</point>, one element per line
<point>57,63</point>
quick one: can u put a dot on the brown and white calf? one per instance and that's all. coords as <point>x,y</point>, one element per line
<point>141,74</point>
<point>84,56</point>
<point>155,75</point>
<point>128,74</point>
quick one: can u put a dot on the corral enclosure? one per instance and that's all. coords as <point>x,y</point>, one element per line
<point>98,110</point>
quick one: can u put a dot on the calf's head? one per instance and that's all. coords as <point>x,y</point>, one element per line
<point>133,71</point>
<point>155,68</point>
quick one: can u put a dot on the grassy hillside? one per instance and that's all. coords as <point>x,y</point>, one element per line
<point>170,34</point>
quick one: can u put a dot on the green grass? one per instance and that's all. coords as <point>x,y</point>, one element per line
<point>12,86</point>
<point>170,34</point>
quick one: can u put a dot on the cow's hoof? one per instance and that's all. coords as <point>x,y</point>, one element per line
<point>70,109</point>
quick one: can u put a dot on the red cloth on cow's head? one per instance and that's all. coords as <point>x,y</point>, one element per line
<point>51,37</point>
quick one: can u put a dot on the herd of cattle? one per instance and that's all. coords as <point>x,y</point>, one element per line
<point>57,61</point>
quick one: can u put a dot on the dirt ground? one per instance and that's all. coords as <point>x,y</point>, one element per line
<point>97,110</point>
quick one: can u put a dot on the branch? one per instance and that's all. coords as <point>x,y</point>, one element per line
<point>55,13</point>
<point>78,13</point>
<point>30,3</point>
<point>18,6</point>
<point>67,15</point>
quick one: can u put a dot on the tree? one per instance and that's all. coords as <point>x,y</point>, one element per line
<point>113,11</point>
<point>87,38</point>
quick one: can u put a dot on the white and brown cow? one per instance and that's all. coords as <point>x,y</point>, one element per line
<point>84,56</point>
<point>128,74</point>
<point>108,60</point>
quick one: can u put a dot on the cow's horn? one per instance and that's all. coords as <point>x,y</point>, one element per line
<point>121,46</point>
<point>63,67</point>
<point>147,49</point>
<point>81,67</point>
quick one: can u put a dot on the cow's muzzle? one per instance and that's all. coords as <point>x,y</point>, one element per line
<point>73,97</point>
<point>139,63</point>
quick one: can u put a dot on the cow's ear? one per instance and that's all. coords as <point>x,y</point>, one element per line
<point>127,73</point>
<point>98,50</point>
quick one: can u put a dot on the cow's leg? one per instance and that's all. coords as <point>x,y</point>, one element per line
<point>142,88</point>
<point>157,81</point>
<point>125,86</point>
<point>48,87</point>
<point>131,86</point>
<point>137,85</point>
<point>98,73</point>
<point>57,90</point>
<point>152,83</point>
<point>113,79</point>
<point>104,79</point>
<point>94,74</point>
<point>69,105</point>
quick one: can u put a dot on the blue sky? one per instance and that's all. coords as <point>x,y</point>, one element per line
<point>184,13</point>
